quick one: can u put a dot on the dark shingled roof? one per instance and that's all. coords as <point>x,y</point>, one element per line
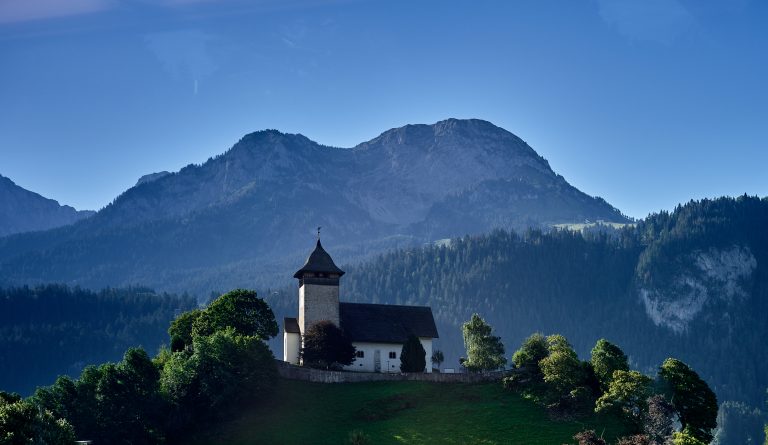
<point>386,323</point>
<point>291,325</point>
<point>319,261</point>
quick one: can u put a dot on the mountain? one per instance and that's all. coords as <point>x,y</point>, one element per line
<point>247,217</point>
<point>25,211</point>
<point>690,284</point>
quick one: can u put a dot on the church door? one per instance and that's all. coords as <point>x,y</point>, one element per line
<point>377,361</point>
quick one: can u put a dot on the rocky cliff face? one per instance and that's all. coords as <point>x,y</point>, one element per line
<point>256,206</point>
<point>25,211</point>
<point>702,279</point>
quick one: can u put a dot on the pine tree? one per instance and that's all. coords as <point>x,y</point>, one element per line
<point>413,357</point>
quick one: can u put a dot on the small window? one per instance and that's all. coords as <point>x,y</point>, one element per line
<point>359,354</point>
<point>393,355</point>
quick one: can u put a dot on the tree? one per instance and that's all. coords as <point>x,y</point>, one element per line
<point>241,310</point>
<point>627,392</point>
<point>589,437</point>
<point>533,350</point>
<point>606,358</point>
<point>637,439</point>
<point>326,346</point>
<point>484,351</point>
<point>23,423</point>
<point>438,358</point>
<point>685,437</point>
<point>129,401</point>
<point>561,368</point>
<point>738,423</point>
<point>659,420</point>
<point>225,370</point>
<point>180,330</point>
<point>9,397</point>
<point>110,401</point>
<point>694,401</point>
<point>413,357</point>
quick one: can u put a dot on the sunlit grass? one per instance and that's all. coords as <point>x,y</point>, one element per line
<point>405,413</point>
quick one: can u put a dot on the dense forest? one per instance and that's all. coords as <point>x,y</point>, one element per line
<point>703,303</point>
<point>50,330</point>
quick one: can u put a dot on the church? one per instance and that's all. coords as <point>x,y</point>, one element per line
<point>377,331</point>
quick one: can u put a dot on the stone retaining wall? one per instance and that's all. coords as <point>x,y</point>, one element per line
<point>292,372</point>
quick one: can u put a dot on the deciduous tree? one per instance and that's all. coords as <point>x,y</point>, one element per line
<point>485,351</point>
<point>533,350</point>
<point>659,420</point>
<point>589,437</point>
<point>180,330</point>
<point>240,309</point>
<point>225,370</point>
<point>694,401</point>
<point>627,392</point>
<point>23,423</point>
<point>607,358</point>
<point>561,368</point>
<point>326,346</point>
<point>685,437</point>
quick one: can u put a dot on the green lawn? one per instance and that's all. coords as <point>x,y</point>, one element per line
<point>582,226</point>
<point>401,413</point>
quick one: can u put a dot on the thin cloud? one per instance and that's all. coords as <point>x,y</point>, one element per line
<point>184,54</point>
<point>660,21</point>
<point>12,11</point>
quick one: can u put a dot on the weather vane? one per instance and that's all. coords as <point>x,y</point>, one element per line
<point>318,232</point>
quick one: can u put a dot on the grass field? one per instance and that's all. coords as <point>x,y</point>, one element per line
<point>582,226</point>
<point>401,413</point>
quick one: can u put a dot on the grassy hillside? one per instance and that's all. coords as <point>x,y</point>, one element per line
<point>401,413</point>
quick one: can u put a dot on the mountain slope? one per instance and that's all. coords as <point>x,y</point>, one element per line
<point>691,284</point>
<point>246,217</point>
<point>25,211</point>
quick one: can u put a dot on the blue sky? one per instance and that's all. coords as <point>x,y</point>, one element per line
<point>647,103</point>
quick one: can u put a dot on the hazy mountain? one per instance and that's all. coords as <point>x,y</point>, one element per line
<point>25,211</point>
<point>248,216</point>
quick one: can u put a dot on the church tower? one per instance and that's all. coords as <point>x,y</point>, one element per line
<point>318,289</point>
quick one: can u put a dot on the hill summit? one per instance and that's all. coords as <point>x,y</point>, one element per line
<point>242,217</point>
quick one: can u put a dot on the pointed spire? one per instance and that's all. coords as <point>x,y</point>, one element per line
<point>319,261</point>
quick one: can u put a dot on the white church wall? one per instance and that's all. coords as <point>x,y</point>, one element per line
<point>291,346</point>
<point>367,363</point>
<point>426,343</point>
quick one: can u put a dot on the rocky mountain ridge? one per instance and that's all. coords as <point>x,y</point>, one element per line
<point>24,211</point>
<point>247,216</point>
